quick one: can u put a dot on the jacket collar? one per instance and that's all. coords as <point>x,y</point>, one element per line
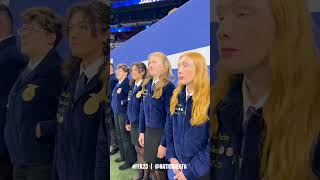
<point>50,60</point>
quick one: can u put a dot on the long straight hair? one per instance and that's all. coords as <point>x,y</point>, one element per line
<point>165,77</point>
<point>291,112</point>
<point>201,94</point>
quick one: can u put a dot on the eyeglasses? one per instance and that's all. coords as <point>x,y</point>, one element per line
<point>29,29</point>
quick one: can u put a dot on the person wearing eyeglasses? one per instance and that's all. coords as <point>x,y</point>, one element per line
<point>34,95</point>
<point>11,63</point>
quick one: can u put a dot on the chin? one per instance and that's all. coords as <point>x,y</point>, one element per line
<point>23,49</point>
<point>77,54</point>
<point>24,52</point>
<point>229,67</point>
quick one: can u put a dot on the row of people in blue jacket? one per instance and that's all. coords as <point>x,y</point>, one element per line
<point>166,123</point>
<point>53,110</point>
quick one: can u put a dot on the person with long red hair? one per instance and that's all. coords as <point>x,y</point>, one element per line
<point>187,131</point>
<point>266,98</point>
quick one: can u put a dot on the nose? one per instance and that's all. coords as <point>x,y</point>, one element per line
<point>223,32</point>
<point>72,34</point>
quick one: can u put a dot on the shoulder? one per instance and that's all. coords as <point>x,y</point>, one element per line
<point>147,85</point>
<point>57,58</point>
<point>169,87</point>
<point>125,83</point>
<point>53,64</point>
<point>113,80</point>
<point>12,55</point>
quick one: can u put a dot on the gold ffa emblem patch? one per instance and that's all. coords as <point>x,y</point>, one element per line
<point>138,95</point>
<point>60,119</point>
<point>119,90</point>
<point>29,92</point>
<point>221,150</point>
<point>92,105</point>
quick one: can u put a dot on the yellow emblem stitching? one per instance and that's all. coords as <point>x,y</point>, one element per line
<point>29,92</point>
<point>92,105</point>
<point>119,90</point>
<point>138,95</point>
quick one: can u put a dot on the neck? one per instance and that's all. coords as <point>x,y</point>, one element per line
<point>90,59</point>
<point>38,57</point>
<point>138,80</point>
<point>121,79</point>
<point>190,88</point>
<point>155,78</point>
<point>258,83</point>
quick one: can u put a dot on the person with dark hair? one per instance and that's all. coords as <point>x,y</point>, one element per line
<point>11,63</point>
<point>119,107</point>
<point>138,74</point>
<point>114,148</point>
<point>81,147</point>
<point>34,96</point>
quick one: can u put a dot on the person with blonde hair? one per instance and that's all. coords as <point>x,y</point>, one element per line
<point>187,132</point>
<point>267,94</point>
<point>155,106</point>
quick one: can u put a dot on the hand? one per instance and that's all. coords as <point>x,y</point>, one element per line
<point>175,161</point>
<point>128,127</point>
<point>180,176</point>
<point>161,152</point>
<point>38,131</point>
<point>141,139</point>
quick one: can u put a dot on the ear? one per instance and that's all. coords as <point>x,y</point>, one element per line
<point>51,39</point>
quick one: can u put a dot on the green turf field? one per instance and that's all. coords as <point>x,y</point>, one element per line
<point>116,174</point>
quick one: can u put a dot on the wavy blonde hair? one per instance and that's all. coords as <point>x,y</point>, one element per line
<point>201,94</point>
<point>165,77</point>
<point>291,112</point>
